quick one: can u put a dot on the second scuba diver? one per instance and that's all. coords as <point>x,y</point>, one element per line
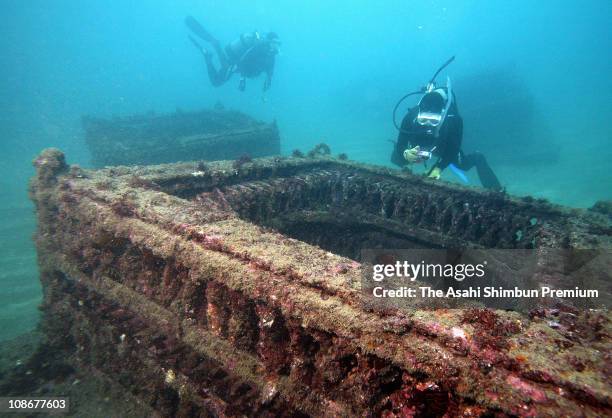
<point>434,128</point>
<point>250,55</point>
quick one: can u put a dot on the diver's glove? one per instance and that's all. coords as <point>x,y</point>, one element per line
<point>435,173</point>
<point>411,155</point>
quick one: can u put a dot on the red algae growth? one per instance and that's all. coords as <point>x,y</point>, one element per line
<point>235,288</point>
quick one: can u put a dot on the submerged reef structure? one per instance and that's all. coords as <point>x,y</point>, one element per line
<point>215,134</point>
<point>238,292</point>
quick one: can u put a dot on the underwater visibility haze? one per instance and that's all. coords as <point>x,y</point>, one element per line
<point>532,82</point>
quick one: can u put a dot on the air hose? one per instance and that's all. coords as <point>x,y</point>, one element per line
<point>423,90</point>
<point>397,105</point>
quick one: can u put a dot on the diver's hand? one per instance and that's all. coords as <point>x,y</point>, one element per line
<point>242,84</point>
<point>435,173</point>
<point>411,155</point>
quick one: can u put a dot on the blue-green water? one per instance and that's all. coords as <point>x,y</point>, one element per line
<point>532,82</point>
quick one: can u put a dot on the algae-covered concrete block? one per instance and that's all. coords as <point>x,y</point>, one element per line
<point>183,136</point>
<point>236,288</point>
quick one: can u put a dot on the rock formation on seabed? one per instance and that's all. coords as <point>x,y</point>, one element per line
<point>236,289</point>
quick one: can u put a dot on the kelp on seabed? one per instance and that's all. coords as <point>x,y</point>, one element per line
<point>235,289</point>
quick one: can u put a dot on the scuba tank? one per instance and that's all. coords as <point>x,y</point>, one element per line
<point>237,49</point>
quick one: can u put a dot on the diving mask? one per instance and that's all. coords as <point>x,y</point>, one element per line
<point>429,119</point>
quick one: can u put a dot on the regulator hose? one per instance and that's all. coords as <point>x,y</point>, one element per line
<point>399,102</point>
<point>443,66</point>
<point>397,105</point>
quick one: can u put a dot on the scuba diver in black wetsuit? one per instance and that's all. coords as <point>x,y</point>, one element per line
<point>434,128</point>
<point>250,55</point>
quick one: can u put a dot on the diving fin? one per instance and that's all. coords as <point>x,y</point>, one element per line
<point>459,173</point>
<point>204,51</point>
<point>195,43</point>
<point>199,30</point>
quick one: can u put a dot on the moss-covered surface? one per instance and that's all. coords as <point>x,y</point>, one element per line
<point>283,324</point>
<point>213,134</point>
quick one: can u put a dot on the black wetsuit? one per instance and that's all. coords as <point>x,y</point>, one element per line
<point>252,58</point>
<point>447,146</point>
<point>249,55</point>
<point>258,59</point>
